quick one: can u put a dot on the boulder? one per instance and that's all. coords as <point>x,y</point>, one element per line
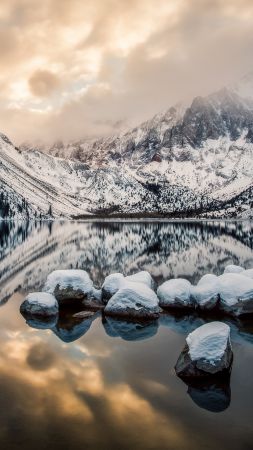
<point>141,277</point>
<point>175,293</point>
<point>39,304</point>
<point>111,285</point>
<point>207,353</point>
<point>69,285</point>
<point>236,294</point>
<point>134,300</point>
<point>248,273</point>
<point>232,268</point>
<point>206,293</point>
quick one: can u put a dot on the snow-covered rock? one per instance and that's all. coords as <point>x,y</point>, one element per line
<point>248,273</point>
<point>111,285</point>
<point>69,285</point>
<point>206,293</point>
<point>141,277</point>
<point>134,300</point>
<point>236,294</point>
<point>232,268</point>
<point>39,304</point>
<point>207,352</point>
<point>175,293</point>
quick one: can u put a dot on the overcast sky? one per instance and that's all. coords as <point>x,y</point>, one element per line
<point>76,68</point>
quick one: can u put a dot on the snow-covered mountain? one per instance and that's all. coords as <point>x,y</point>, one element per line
<point>188,161</point>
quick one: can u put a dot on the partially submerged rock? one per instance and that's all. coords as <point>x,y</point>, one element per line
<point>39,304</point>
<point>248,273</point>
<point>141,277</point>
<point>111,285</point>
<point>207,352</point>
<point>206,293</point>
<point>115,281</point>
<point>134,300</point>
<point>232,268</point>
<point>69,285</point>
<point>236,294</point>
<point>175,293</point>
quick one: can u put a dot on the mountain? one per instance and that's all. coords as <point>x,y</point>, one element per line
<point>189,161</point>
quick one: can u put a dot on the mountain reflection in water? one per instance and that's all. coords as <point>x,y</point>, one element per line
<point>99,383</point>
<point>30,251</point>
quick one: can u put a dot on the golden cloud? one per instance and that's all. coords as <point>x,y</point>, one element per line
<point>69,63</point>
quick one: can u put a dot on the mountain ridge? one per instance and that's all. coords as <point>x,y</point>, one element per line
<point>193,161</point>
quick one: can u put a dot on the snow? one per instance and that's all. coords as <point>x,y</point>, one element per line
<point>206,293</point>
<point>174,291</point>
<point>234,288</point>
<point>209,342</point>
<point>76,279</point>
<point>141,277</point>
<point>232,268</point>
<point>113,282</point>
<point>248,273</point>
<point>42,298</point>
<point>134,296</point>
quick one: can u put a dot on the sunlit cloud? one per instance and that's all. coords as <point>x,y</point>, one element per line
<point>77,69</point>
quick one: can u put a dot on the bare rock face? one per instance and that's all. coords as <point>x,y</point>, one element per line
<point>207,353</point>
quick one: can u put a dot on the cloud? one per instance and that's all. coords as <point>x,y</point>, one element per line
<point>42,83</point>
<point>77,69</point>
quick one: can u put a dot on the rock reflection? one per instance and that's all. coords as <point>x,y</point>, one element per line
<point>40,323</point>
<point>212,395</point>
<point>128,330</point>
<point>71,325</point>
<point>164,249</point>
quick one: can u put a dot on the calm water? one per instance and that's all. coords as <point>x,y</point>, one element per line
<point>105,384</point>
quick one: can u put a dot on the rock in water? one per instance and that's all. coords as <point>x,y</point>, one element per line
<point>111,285</point>
<point>141,277</point>
<point>206,293</point>
<point>134,300</point>
<point>175,293</point>
<point>69,285</point>
<point>236,294</point>
<point>207,352</point>
<point>232,268</point>
<point>39,304</point>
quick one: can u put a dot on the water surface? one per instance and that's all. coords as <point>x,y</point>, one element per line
<point>98,383</point>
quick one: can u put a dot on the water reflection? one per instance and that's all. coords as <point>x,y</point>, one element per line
<point>214,396</point>
<point>30,251</point>
<point>130,331</point>
<point>89,382</point>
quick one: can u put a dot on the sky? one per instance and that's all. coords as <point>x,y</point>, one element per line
<point>77,69</point>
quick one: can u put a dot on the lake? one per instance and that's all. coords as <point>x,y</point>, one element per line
<point>105,384</point>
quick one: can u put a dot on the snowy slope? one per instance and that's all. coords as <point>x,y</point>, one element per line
<point>189,161</point>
